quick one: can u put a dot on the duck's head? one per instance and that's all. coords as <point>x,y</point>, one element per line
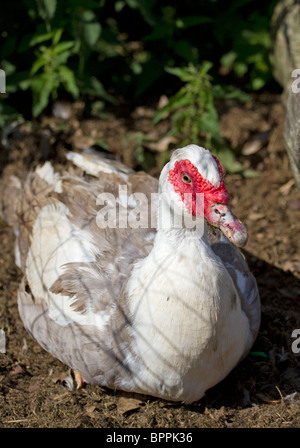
<point>193,182</point>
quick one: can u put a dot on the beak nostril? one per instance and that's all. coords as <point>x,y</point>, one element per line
<point>219,213</point>
<point>220,216</point>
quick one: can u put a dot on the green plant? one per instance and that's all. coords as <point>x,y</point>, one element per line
<point>250,56</point>
<point>118,49</point>
<point>194,116</point>
<point>192,107</point>
<point>49,70</point>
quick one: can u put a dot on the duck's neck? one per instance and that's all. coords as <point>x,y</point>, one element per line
<point>181,260</point>
<point>178,230</point>
<point>178,252</point>
<point>175,237</point>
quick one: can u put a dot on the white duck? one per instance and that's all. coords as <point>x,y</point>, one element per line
<point>166,312</point>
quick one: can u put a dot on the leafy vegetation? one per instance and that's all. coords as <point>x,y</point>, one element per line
<point>194,104</point>
<point>49,70</point>
<point>194,115</point>
<point>103,50</point>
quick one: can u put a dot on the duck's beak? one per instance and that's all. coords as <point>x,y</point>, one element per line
<point>221,216</point>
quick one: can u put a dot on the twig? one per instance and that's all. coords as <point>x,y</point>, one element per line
<point>16,421</point>
<point>281,396</point>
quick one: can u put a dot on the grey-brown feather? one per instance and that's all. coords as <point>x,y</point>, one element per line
<point>99,356</point>
<point>85,349</point>
<point>248,295</point>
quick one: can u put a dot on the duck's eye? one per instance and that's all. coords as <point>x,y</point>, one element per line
<point>186,179</point>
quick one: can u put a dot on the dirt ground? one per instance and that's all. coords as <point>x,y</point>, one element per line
<point>264,390</point>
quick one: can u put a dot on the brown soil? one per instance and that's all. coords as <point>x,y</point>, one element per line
<point>264,390</point>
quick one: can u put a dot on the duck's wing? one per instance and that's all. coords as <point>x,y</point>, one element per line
<point>74,269</point>
<point>244,281</point>
<point>98,352</point>
<point>96,164</point>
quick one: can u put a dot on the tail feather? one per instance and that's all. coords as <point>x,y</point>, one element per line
<point>21,201</point>
<point>11,189</point>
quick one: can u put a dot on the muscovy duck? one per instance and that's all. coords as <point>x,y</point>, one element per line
<point>164,306</point>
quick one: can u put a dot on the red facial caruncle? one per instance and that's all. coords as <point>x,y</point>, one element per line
<point>188,183</point>
<point>185,179</point>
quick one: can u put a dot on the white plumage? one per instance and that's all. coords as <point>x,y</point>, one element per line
<point>163,311</point>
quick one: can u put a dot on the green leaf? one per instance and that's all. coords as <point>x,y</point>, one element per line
<point>42,87</point>
<point>231,92</point>
<point>257,83</point>
<point>136,67</point>
<point>177,101</point>
<point>40,38</point>
<point>227,159</point>
<point>24,85</point>
<point>56,36</point>
<point>46,8</point>
<point>208,122</point>
<point>257,37</point>
<point>91,28</point>
<point>8,67</point>
<point>92,86</point>
<point>250,174</point>
<point>260,354</point>
<point>119,5</point>
<point>195,21</point>
<point>62,58</point>
<point>103,144</point>
<point>228,59</point>
<point>68,80</point>
<point>63,46</point>
<point>132,3</point>
<point>97,108</point>
<point>181,73</point>
<point>38,63</point>
<point>240,68</point>
<point>205,67</point>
